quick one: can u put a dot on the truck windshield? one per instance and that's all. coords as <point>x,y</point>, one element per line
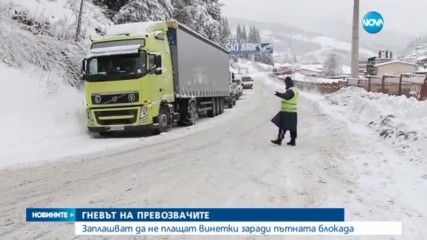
<point>116,67</point>
<point>246,79</point>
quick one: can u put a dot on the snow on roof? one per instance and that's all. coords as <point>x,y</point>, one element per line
<point>395,61</point>
<point>132,28</point>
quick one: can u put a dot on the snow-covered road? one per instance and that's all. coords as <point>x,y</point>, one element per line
<point>230,164</point>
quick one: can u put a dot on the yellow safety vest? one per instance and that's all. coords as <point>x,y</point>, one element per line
<point>291,104</point>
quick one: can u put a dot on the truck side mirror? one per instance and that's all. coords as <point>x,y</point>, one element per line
<point>83,70</point>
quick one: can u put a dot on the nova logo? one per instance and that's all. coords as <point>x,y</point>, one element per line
<point>373,22</point>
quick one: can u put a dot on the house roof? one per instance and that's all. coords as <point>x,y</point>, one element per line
<point>395,62</point>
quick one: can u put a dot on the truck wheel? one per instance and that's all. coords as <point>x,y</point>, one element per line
<point>230,103</point>
<point>234,102</point>
<point>218,106</point>
<point>164,121</point>
<point>188,113</point>
<point>221,104</point>
<point>212,113</point>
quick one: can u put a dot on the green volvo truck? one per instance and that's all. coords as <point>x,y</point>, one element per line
<point>152,76</point>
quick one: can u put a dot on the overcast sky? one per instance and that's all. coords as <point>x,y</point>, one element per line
<point>403,16</point>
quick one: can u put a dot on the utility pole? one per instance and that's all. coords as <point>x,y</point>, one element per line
<point>79,21</point>
<point>355,41</point>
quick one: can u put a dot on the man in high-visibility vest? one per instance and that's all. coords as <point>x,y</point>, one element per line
<point>287,118</point>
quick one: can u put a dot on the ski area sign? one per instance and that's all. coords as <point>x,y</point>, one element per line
<point>249,48</point>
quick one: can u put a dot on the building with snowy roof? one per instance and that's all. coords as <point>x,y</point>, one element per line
<point>395,67</point>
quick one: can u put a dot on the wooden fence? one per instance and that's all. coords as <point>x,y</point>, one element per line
<point>410,85</point>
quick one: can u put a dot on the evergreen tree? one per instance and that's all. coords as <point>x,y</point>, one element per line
<point>203,16</point>
<point>226,32</point>
<point>144,10</point>
<point>244,34</point>
<point>252,37</point>
<point>257,35</point>
<point>111,7</point>
<point>239,33</point>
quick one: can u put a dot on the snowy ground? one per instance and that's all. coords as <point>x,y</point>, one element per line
<point>229,162</point>
<point>44,126</point>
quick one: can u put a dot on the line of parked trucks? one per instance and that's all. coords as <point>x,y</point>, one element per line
<point>156,75</point>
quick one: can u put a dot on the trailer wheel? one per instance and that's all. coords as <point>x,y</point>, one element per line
<point>221,104</point>
<point>218,106</point>
<point>212,113</point>
<point>164,121</point>
<point>230,103</point>
<point>234,102</point>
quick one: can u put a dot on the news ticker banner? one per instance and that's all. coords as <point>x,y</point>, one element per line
<point>210,221</point>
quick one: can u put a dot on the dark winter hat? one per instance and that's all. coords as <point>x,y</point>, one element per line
<point>289,82</point>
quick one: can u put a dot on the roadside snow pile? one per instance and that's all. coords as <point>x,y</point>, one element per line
<point>39,124</point>
<point>402,122</point>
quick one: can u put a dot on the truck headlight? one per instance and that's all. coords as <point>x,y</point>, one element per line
<point>89,115</point>
<point>144,112</point>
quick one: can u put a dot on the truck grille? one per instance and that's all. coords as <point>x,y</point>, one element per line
<point>115,117</point>
<point>99,99</point>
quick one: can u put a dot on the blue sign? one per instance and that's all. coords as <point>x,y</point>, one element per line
<point>373,22</point>
<point>249,48</point>
<point>186,215</point>
<point>51,214</point>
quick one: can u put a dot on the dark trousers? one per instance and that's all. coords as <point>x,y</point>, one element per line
<point>282,133</point>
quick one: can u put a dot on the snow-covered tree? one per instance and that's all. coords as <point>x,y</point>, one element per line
<point>111,7</point>
<point>226,32</point>
<point>203,16</point>
<point>333,65</point>
<point>239,33</point>
<point>257,35</point>
<point>244,34</point>
<point>144,10</point>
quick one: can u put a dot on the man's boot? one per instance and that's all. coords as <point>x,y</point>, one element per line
<point>277,141</point>
<point>293,138</point>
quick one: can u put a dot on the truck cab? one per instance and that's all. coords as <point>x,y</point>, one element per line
<point>127,78</point>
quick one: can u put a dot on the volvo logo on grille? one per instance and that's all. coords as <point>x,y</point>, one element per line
<point>114,99</point>
<point>98,99</point>
<point>131,97</point>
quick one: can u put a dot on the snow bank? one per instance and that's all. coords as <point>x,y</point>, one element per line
<point>400,121</point>
<point>41,124</point>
